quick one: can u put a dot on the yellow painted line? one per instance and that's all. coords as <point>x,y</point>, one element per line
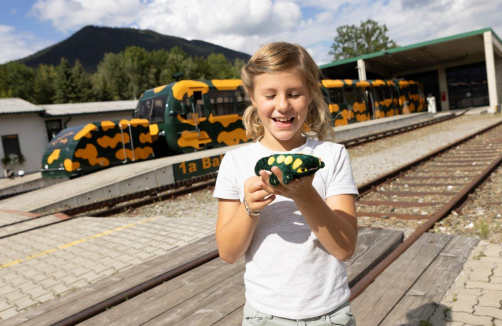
<point>76,242</point>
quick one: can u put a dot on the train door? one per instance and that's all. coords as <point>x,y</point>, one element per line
<point>194,134</point>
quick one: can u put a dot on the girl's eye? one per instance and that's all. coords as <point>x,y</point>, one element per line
<point>269,96</point>
<point>294,95</point>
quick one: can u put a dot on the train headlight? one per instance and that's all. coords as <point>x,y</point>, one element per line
<point>46,166</point>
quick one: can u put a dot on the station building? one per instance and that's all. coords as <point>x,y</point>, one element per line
<point>460,71</point>
<point>26,128</point>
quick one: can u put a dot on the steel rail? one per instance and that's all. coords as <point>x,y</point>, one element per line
<point>454,203</point>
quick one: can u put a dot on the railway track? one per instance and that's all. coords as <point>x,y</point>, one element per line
<point>463,166</point>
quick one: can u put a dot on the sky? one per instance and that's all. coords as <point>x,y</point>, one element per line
<point>27,26</point>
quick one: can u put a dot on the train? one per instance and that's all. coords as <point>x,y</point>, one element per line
<point>193,115</point>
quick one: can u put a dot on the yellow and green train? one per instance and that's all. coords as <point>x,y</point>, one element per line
<point>188,116</point>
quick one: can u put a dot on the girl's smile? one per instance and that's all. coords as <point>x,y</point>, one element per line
<point>282,101</point>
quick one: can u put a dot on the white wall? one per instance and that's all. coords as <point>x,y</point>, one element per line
<point>32,136</point>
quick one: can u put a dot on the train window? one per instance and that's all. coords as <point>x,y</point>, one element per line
<point>386,93</point>
<point>379,94</point>
<point>222,102</point>
<point>11,145</point>
<point>158,110</point>
<point>414,89</point>
<point>350,97</point>
<point>241,101</point>
<point>199,102</point>
<point>360,95</point>
<point>335,95</point>
<point>144,109</point>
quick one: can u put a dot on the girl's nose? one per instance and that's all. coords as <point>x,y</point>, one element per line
<point>282,104</point>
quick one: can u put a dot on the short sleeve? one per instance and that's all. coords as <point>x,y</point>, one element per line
<point>342,180</point>
<point>226,183</point>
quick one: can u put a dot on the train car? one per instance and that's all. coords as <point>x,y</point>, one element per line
<point>347,100</point>
<point>353,101</point>
<point>181,117</point>
<point>189,116</point>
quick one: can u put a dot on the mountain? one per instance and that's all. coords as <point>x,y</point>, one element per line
<point>91,43</point>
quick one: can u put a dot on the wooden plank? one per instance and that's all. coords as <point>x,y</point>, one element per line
<point>372,306</point>
<point>203,303</point>
<point>168,304</point>
<point>233,319</point>
<point>216,310</point>
<point>373,245</point>
<point>171,295</point>
<point>424,297</point>
<point>73,303</point>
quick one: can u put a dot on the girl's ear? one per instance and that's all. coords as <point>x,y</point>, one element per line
<point>251,96</point>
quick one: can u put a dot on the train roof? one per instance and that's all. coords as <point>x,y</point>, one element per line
<point>182,87</point>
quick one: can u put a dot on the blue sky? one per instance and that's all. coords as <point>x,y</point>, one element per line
<point>27,26</point>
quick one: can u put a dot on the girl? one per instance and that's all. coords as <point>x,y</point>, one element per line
<point>295,237</point>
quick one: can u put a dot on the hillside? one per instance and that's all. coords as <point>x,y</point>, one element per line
<point>91,42</point>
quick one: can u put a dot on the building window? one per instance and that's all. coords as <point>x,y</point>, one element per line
<point>53,128</point>
<point>11,145</point>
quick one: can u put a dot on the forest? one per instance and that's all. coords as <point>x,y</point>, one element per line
<point>122,76</point>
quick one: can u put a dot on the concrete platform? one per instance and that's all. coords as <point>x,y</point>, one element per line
<point>27,183</point>
<point>141,176</point>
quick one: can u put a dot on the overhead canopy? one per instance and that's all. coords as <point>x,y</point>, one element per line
<point>390,62</point>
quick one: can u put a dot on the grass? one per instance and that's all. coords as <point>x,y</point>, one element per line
<point>478,257</point>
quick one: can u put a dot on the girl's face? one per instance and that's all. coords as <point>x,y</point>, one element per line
<point>282,101</point>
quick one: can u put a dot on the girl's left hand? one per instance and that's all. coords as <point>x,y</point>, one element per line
<point>297,188</point>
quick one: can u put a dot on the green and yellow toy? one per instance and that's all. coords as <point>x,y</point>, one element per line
<point>291,165</point>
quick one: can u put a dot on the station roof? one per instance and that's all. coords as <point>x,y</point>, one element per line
<point>443,50</point>
<point>17,105</point>
<point>88,108</point>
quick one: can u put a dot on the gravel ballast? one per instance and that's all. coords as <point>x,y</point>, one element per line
<point>374,159</point>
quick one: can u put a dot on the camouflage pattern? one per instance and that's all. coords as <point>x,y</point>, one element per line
<point>189,116</point>
<point>292,166</point>
<point>347,100</point>
<point>95,146</point>
<point>191,122</point>
<point>351,101</point>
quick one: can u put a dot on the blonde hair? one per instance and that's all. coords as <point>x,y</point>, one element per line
<point>278,57</point>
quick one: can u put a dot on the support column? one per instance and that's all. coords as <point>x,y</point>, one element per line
<point>443,88</point>
<point>361,69</point>
<point>490,71</point>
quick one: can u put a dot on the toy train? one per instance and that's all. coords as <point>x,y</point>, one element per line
<point>188,116</point>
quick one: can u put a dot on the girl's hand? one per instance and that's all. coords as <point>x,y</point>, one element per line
<point>297,188</point>
<point>255,196</point>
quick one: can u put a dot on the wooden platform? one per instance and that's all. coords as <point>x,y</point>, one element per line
<point>211,293</point>
<point>411,289</point>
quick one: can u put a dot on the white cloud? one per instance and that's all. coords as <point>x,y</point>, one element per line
<point>68,15</point>
<point>244,25</point>
<point>16,45</point>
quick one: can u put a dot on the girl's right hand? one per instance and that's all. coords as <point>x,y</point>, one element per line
<point>255,196</point>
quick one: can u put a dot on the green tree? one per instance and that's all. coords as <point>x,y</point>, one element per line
<point>18,81</point>
<point>82,82</point>
<point>136,67</point>
<point>65,88</point>
<point>220,67</point>
<point>236,68</point>
<point>352,41</point>
<point>44,84</point>
<point>111,69</point>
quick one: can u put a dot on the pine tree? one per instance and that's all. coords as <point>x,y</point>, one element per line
<point>44,84</point>
<point>64,85</point>
<point>82,82</point>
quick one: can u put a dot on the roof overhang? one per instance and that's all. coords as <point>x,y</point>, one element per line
<point>457,48</point>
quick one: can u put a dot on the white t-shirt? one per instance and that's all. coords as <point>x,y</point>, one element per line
<point>289,274</point>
